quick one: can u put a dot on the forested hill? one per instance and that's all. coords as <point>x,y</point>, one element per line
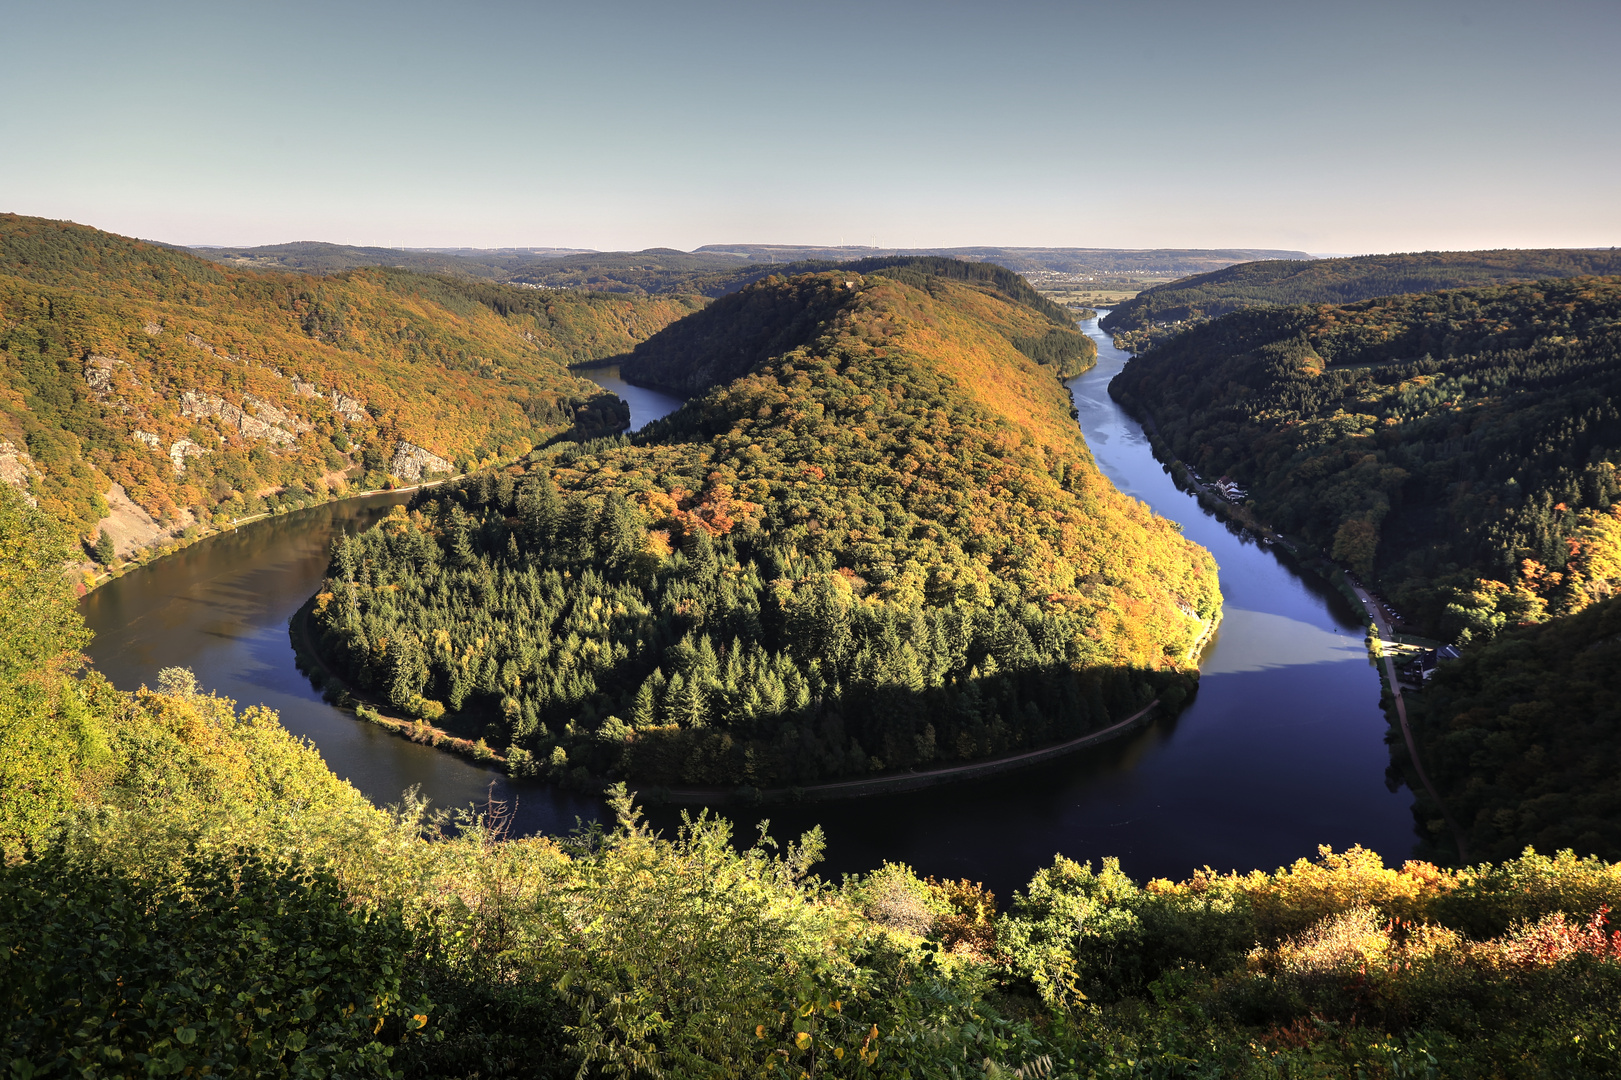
<point>1459,445</point>
<point>316,257</point>
<point>740,331</point>
<point>1023,260</point>
<point>654,271</point>
<point>1522,736</point>
<point>1281,282</point>
<point>715,269</point>
<point>881,546</point>
<point>206,392</point>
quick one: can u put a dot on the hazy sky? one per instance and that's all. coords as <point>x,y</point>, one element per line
<point>1328,127</point>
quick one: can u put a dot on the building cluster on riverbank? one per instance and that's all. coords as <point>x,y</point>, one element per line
<point>1421,668</point>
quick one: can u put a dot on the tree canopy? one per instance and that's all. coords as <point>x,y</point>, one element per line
<point>292,378</point>
<point>1162,310</point>
<point>1460,445</point>
<point>874,540</point>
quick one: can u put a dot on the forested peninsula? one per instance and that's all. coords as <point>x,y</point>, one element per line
<point>872,540</point>
<point>147,391</point>
<point>1163,310</point>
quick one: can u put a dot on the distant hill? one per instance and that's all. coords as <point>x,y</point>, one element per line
<point>143,379</point>
<point>1281,282</point>
<point>745,328</point>
<point>314,257</point>
<point>714,269</point>
<point>1024,260</point>
<point>657,271</point>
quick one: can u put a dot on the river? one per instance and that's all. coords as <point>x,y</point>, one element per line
<point>1282,749</point>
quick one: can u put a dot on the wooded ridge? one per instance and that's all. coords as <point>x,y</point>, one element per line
<point>1162,310</point>
<point>873,539</point>
<point>208,393</point>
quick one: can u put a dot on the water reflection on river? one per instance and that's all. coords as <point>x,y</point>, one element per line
<point>645,405</point>
<point>1282,750</point>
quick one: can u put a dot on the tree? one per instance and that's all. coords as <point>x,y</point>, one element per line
<point>1355,543</point>
<point>105,551</point>
<point>48,737</point>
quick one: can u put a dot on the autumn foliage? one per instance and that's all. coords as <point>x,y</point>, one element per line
<point>882,548</point>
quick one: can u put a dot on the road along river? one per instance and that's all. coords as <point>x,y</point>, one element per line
<point>1282,750</point>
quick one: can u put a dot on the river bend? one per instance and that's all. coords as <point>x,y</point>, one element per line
<point>1282,749</point>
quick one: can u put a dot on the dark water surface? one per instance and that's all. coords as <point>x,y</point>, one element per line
<point>221,608</point>
<point>1283,748</point>
<point>645,405</point>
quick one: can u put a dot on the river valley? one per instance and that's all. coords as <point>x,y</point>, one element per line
<point>1282,750</point>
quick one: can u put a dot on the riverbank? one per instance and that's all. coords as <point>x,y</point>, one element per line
<point>1379,629</point>
<point>899,782</point>
<point>177,544</point>
<point>340,693</point>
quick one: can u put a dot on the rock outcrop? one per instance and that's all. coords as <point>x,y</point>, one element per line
<point>98,375</point>
<point>351,409</point>
<point>180,451</point>
<point>411,462</point>
<point>233,417</point>
<point>269,413</point>
<point>16,468</point>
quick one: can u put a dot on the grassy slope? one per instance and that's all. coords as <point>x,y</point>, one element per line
<point>458,368</point>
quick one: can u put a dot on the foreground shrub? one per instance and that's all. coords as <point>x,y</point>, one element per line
<point>238,968</point>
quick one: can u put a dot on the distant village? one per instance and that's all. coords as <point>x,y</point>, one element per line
<point>1226,487</point>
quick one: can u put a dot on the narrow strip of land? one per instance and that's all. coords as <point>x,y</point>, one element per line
<point>874,785</point>
<point>1382,627</point>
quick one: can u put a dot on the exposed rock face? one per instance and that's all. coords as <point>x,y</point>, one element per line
<point>232,416</point>
<point>153,329</point>
<point>180,451</point>
<point>15,469</point>
<point>98,375</point>
<point>226,354</point>
<point>269,413</point>
<point>410,462</point>
<point>146,437</point>
<point>351,409</point>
